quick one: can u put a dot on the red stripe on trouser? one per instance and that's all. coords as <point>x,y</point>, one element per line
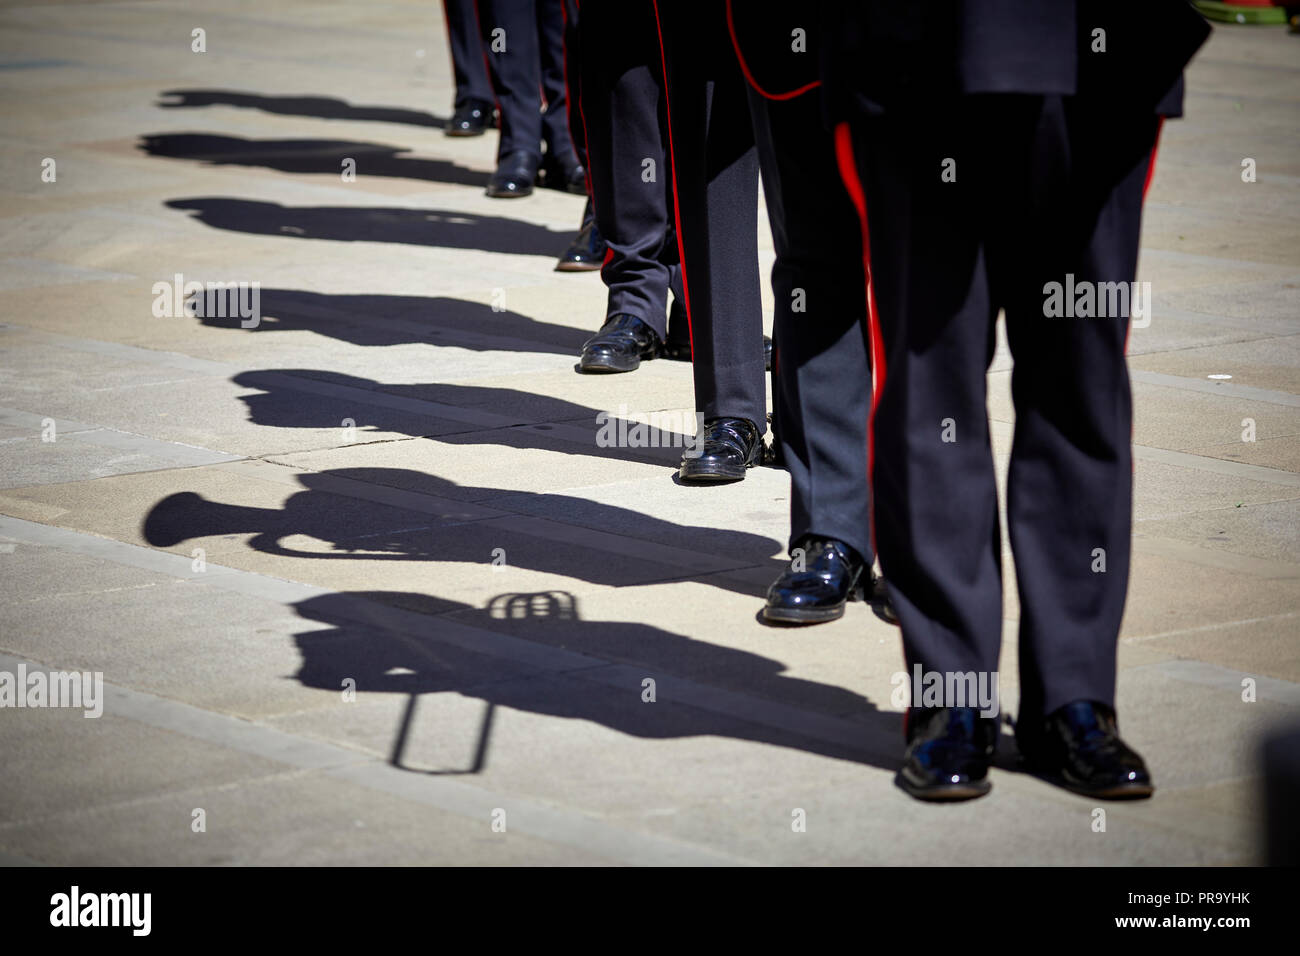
<point>853,185</point>
<point>591,194</point>
<point>1146,187</point>
<point>1151,166</point>
<point>487,63</point>
<point>672,161</point>
<point>568,93</point>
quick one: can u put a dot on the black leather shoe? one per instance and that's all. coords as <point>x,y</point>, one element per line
<point>767,352</point>
<point>587,251</point>
<point>472,118</point>
<point>824,575</point>
<point>569,179</point>
<point>620,346</point>
<point>1078,746</point>
<point>515,176</point>
<point>729,447</point>
<point>949,750</point>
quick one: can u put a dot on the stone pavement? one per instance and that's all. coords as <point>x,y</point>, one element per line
<point>392,486</point>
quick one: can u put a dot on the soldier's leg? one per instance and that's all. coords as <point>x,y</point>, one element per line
<point>560,149</point>
<point>935,497</point>
<point>822,379</point>
<point>715,169</point>
<point>510,34</point>
<point>1069,487</point>
<point>467,63</point>
<point>621,109</point>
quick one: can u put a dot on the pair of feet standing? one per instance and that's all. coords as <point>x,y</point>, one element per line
<point>519,170</point>
<point>950,749</point>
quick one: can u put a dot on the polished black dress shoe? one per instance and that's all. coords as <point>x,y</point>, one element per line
<point>729,446</point>
<point>570,179</point>
<point>1078,747</point>
<point>620,346</point>
<point>949,750</point>
<point>515,176</point>
<point>587,251</point>
<point>472,118</point>
<point>823,576</point>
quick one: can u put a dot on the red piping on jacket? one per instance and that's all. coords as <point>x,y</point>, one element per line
<point>744,68</point>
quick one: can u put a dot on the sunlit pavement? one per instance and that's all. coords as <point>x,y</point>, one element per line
<point>409,610</point>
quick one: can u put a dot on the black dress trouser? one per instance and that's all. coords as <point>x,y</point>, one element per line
<point>467,63</point>
<point>822,374</point>
<point>525,54</point>
<point>571,62</point>
<point>1047,189</point>
<point>624,122</point>
<point>715,171</point>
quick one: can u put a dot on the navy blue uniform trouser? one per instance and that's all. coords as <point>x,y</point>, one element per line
<point>1038,189</point>
<point>822,377</point>
<point>715,171</point>
<point>624,122</point>
<point>525,55</point>
<point>467,63</point>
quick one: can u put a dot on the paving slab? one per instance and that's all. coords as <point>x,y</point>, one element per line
<point>395,485</point>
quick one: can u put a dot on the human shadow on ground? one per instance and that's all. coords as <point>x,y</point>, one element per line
<point>309,156</point>
<point>324,107</point>
<point>419,227</point>
<point>380,320</point>
<point>373,640</point>
<point>470,415</point>
<point>397,514</point>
